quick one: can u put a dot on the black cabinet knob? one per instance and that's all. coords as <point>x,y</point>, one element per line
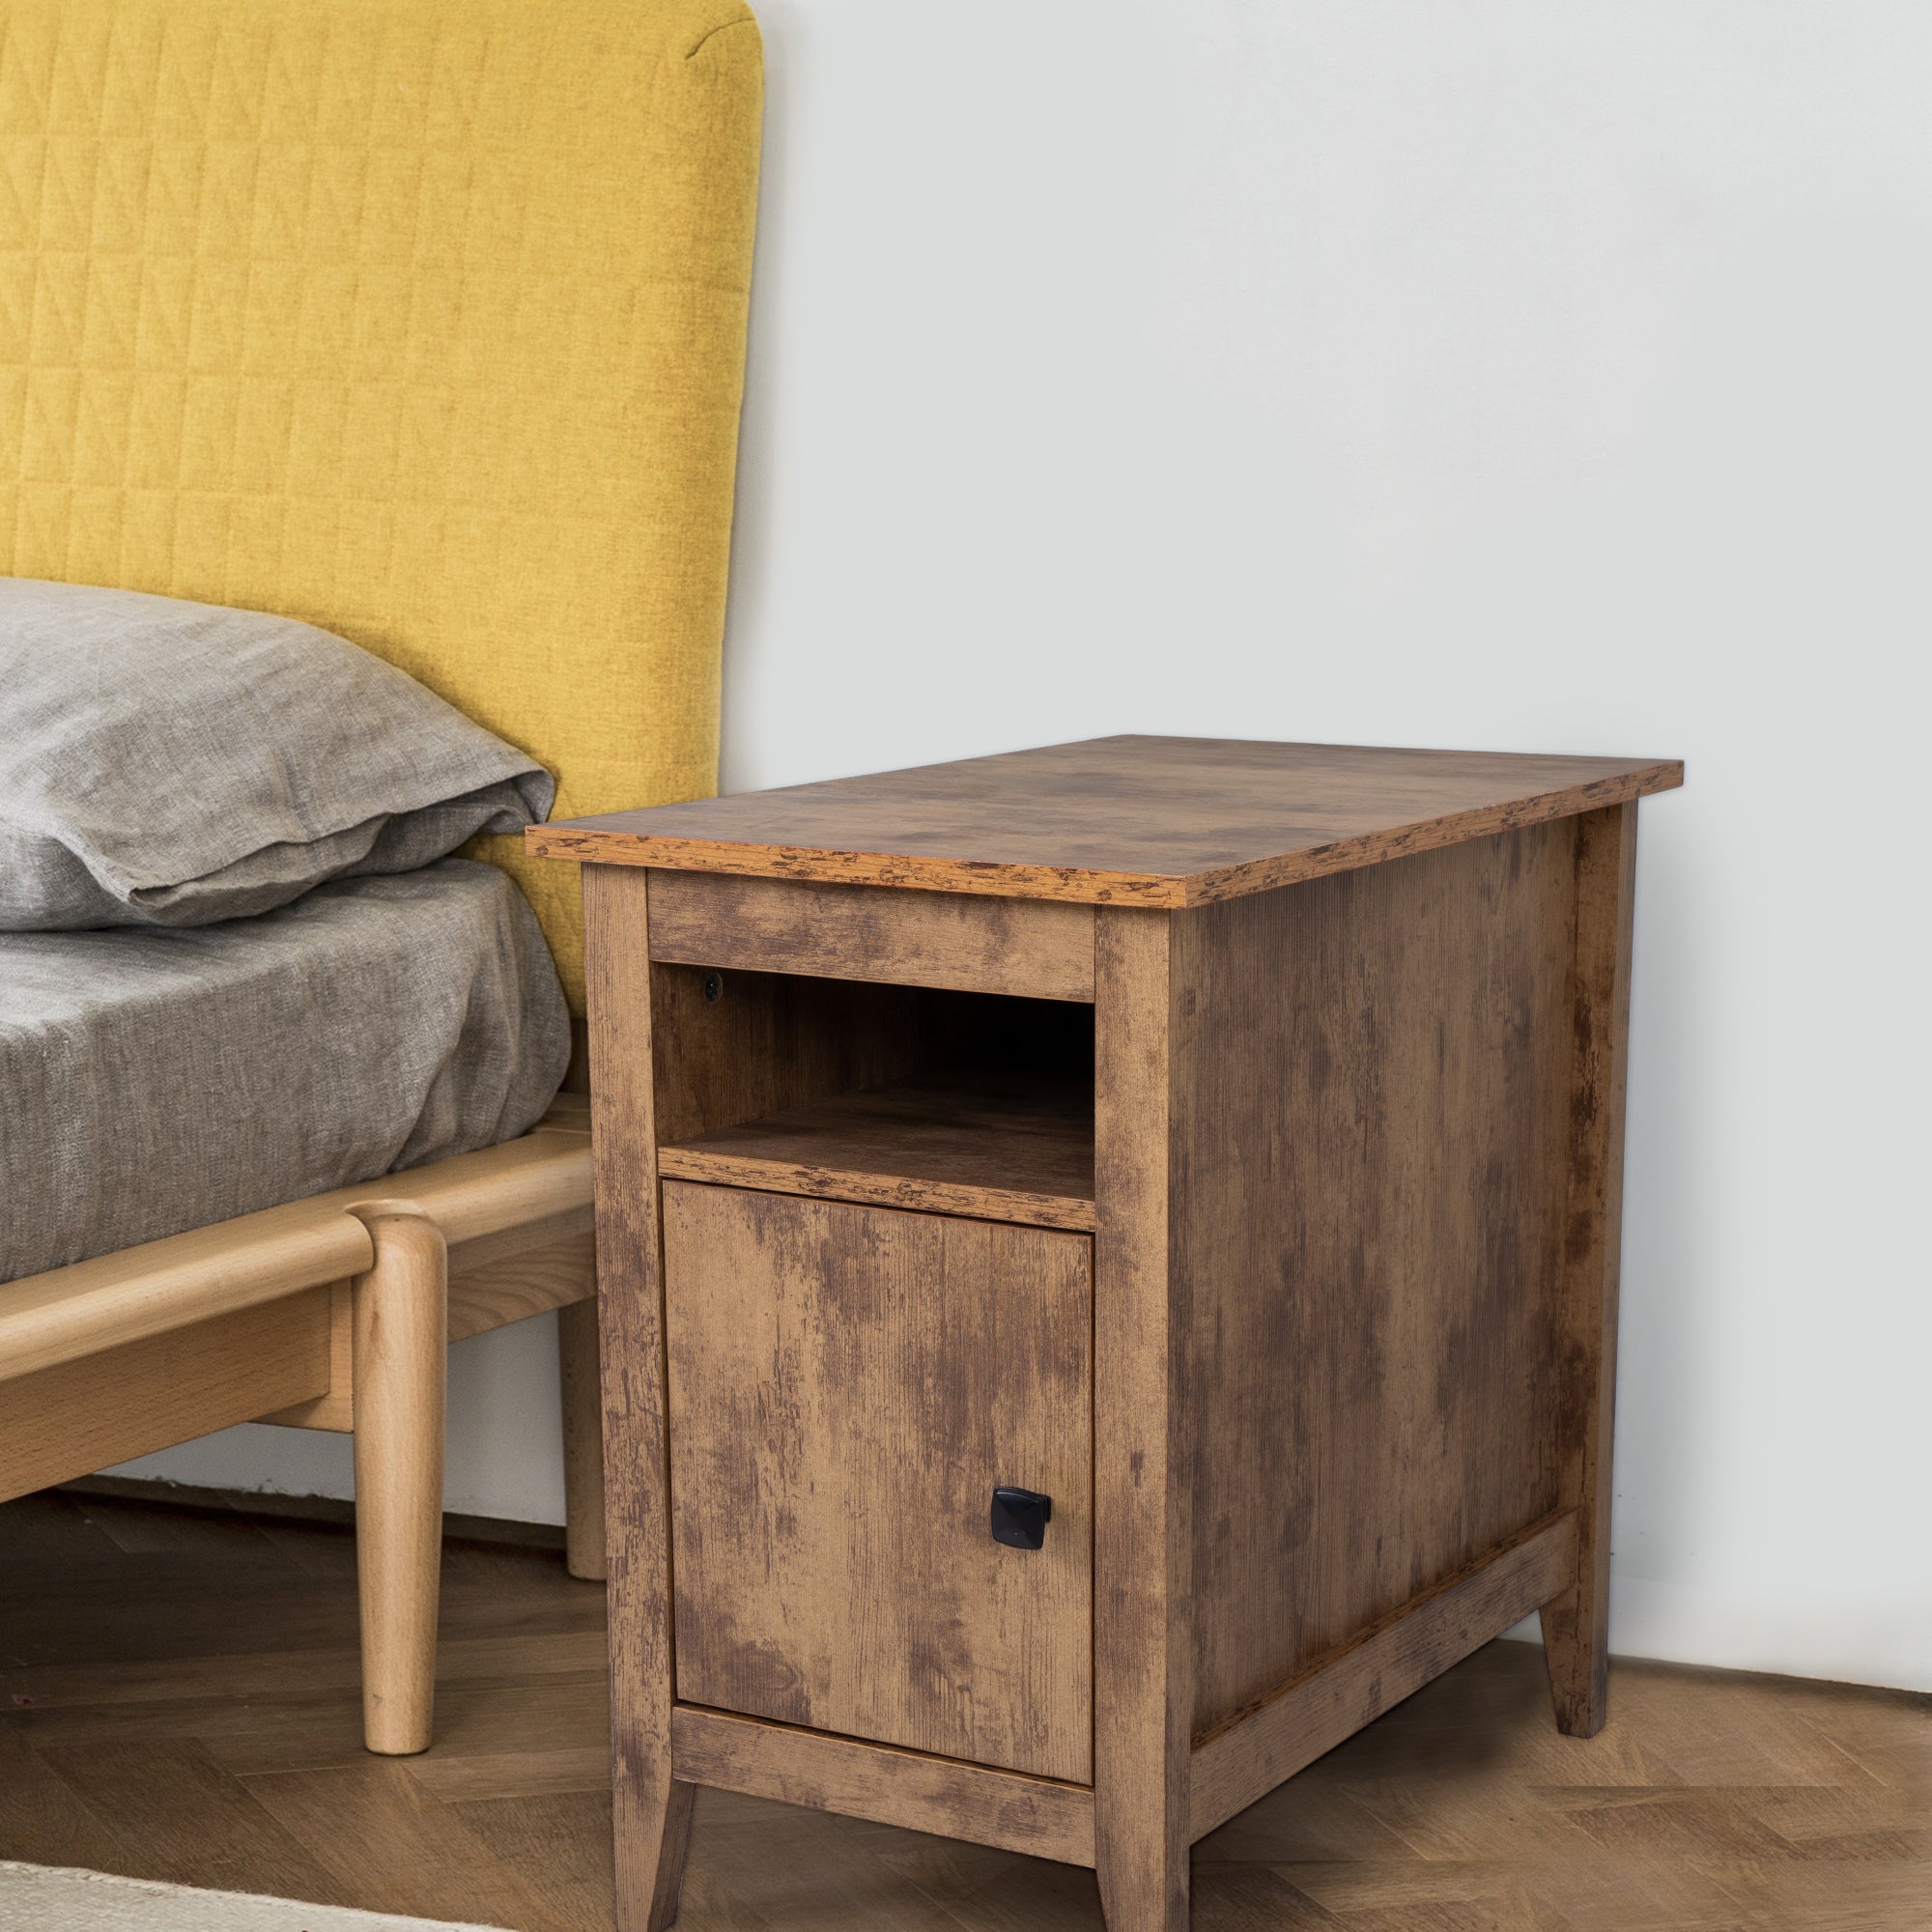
<point>1020,1517</point>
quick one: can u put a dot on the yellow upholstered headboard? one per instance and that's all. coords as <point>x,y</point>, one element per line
<point>422,320</point>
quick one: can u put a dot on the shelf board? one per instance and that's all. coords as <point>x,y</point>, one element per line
<point>998,1146</point>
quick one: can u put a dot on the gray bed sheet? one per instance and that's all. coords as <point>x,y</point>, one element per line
<point>153,1081</point>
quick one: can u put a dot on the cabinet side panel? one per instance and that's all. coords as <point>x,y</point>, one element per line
<point>1576,1624</point>
<point>1371,1163</point>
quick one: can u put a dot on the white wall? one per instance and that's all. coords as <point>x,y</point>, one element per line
<point>1489,372</point>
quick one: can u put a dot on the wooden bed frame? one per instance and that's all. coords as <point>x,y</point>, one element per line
<point>330,1313</point>
<point>422,321</point>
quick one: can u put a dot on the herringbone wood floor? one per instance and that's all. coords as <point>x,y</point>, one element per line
<point>178,1699</point>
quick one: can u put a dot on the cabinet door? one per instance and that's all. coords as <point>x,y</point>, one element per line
<point>847,1387</point>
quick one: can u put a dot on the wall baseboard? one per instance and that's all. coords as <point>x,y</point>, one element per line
<point>277,1508</point>
<point>1650,1621</point>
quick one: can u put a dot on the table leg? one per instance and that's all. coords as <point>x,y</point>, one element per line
<point>1576,1625</point>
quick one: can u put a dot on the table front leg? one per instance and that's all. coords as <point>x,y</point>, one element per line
<point>1143,1661</point>
<point>1576,1625</point>
<point>651,1810</point>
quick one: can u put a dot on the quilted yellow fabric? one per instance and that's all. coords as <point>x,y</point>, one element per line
<point>422,320</point>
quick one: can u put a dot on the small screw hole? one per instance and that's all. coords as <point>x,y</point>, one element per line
<point>714,987</point>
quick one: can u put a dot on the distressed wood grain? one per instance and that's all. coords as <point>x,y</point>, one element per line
<point>1576,1621</point>
<point>1373,1146</point>
<point>1143,1494</point>
<point>1009,1147</point>
<point>1169,822</point>
<point>651,1818</point>
<point>847,1387</point>
<point>1034,950</point>
<point>889,1786</point>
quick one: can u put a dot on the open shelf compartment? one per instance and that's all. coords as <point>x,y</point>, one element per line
<point>947,1103</point>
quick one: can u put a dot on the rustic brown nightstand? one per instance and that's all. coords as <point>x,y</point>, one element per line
<point>1108,1264</point>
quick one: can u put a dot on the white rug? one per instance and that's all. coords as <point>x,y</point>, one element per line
<point>38,1898</point>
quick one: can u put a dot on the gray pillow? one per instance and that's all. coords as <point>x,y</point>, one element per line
<point>165,763</point>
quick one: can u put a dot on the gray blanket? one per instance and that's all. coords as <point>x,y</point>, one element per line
<point>152,1081</point>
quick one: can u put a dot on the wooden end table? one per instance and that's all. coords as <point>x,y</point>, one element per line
<point>1108,1269</point>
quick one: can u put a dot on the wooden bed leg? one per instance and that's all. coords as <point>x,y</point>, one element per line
<point>402,1349</point>
<point>583,1439</point>
<point>1576,1625</point>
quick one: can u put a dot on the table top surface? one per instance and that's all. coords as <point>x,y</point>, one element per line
<point>1129,820</point>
